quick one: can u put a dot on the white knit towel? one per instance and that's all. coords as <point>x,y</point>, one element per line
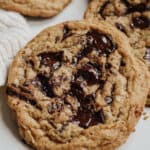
<point>14,34</point>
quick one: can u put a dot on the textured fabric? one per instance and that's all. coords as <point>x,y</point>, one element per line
<point>14,34</point>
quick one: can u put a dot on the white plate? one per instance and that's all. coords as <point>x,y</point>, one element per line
<point>9,139</point>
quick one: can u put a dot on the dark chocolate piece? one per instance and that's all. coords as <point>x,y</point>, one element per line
<point>44,84</point>
<point>108,66</point>
<point>122,63</point>
<point>51,59</point>
<point>77,90</point>
<point>121,28</point>
<point>97,41</point>
<point>66,32</point>
<point>141,7</point>
<point>136,8</point>
<point>87,118</point>
<point>140,22</point>
<point>90,73</point>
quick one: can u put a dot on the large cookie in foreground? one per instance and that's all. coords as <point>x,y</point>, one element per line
<point>77,86</point>
<point>35,8</point>
<point>132,17</point>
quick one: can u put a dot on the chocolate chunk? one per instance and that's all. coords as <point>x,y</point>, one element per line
<point>126,2</point>
<point>137,8</point>
<point>100,42</point>
<point>90,73</point>
<point>83,117</point>
<point>101,84</point>
<point>140,22</point>
<point>141,7</point>
<point>87,101</point>
<point>121,28</point>
<point>108,65</point>
<point>101,11</point>
<point>77,90</point>
<point>44,84</point>
<point>108,99</point>
<point>89,98</point>
<point>51,59</point>
<point>87,118</point>
<point>66,32</point>
<point>97,41</point>
<point>122,63</point>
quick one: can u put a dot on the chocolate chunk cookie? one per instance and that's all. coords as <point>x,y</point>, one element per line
<point>131,17</point>
<point>36,8</point>
<point>77,86</point>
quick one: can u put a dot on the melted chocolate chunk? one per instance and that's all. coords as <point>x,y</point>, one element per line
<point>101,11</point>
<point>100,42</point>
<point>137,8</point>
<point>44,84</point>
<point>108,66</point>
<point>101,84</point>
<point>66,32</point>
<point>108,100</point>
<point>141,7</point>
<point>89,98</point>
<point>121,28</point>
<point>140,22</point>
<point>126,2</point>
<point>123,63</point>
<point>90,73</point>
<point>77,90</point>
<point>52,59</point>
<point>97,41</point>
<point>87,118</point>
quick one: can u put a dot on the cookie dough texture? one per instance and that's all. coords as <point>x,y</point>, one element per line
<point>77,86</point>
<point>35,8</point>
<point>131,17</point>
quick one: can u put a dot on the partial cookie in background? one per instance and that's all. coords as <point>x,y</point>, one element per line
<point>35,8</point>
<point>132,17</point>
<point>14,34</point>
<point>77,86</point>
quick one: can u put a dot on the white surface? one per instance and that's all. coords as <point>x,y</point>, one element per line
<point>12,25</point>
<point>9,140</point>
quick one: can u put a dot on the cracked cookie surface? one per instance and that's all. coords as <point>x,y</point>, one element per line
<point>77,86</point>
<point>131,17</point>
<point>35,8</point>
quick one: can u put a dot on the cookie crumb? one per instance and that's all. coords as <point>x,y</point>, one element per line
<point>145,116</point>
